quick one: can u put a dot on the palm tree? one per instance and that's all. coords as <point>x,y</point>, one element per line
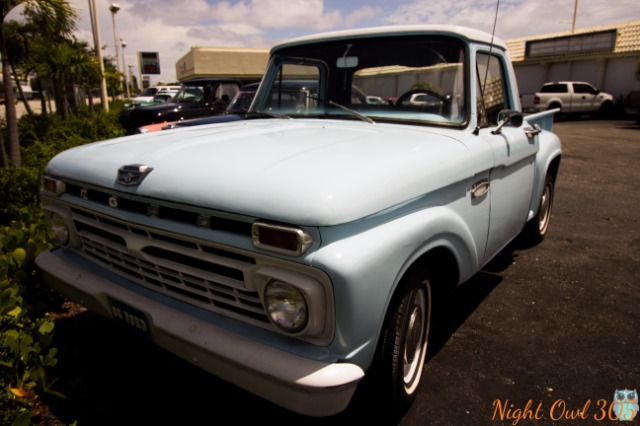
<point>57,17</point>
<point>65,64</point>
<point>86,70</point>
<point>17,37</point>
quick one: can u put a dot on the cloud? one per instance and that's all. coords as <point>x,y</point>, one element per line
<point>171,27</point>
<point>516,18</point>
<point>364,15</point>
<point>260,14</point>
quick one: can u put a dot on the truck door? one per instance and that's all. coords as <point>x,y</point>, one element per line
<point>512,175</point>
<point>584,97</point>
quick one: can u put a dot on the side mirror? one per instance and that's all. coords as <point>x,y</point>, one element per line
<point>508,116</point>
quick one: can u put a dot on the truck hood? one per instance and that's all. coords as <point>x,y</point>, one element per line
<point>305,172</point>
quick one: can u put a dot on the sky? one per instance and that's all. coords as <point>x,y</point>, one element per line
<point>172,27</point>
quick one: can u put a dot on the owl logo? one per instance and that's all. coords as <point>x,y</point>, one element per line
<point>625,404</point>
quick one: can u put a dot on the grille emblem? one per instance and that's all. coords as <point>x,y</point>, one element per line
<point>133,174</point>
<point>153,211</point>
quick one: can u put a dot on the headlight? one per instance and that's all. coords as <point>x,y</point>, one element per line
<point>59,228</point>
<point>286,306</point>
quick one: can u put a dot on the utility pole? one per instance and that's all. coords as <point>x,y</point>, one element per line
<point>98,46</point>
<point>114,8</point>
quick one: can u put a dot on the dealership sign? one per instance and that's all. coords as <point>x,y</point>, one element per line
<point>149,62</point>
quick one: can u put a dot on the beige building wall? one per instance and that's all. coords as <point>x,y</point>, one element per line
<point>246,64</point>
<point>612,72</point>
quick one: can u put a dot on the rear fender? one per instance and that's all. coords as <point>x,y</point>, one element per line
<point>547,161</point>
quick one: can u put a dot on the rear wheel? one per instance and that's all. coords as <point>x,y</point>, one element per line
<point>556,116</point>
<point>404,341</point>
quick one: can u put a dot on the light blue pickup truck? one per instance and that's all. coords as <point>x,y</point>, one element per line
<point>295,251</point>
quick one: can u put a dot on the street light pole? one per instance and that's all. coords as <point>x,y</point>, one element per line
<point>131,77</point>
<point>124,68</point>
<point>98,47</point>
<point>114,8</point>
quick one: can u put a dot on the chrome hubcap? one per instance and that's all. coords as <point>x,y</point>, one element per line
<point>416,339</point>
<point>545,209</point>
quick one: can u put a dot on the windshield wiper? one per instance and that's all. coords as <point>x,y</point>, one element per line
<point>353,112</point>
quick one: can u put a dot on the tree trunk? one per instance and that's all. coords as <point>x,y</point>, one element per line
<point>62,99</point>
<point>13,143</point>
<point>19,87</point>
<point>90,93</point>
<point>43,97</point>
<point>4,161</point>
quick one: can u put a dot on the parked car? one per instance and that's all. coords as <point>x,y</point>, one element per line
<point>570,97</point>
<point>423,100</point>
<point>155,94</point>
<point>300,93</point>
<point>196,98</point>
<point>146,96</point>
<point>301,249</point>
<point>236,110</point>
<point>376,100</point>
<point>164,97</point>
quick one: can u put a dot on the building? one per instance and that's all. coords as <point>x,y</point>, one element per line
<point>245,64</point>
<point>606,56</point>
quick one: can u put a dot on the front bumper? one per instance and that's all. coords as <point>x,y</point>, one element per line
<point>306,386</point>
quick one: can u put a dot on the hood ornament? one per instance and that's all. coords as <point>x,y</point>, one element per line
<point>133,174</point>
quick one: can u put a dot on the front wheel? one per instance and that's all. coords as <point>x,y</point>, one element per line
<point>404,341</point>
<point>536,229</point>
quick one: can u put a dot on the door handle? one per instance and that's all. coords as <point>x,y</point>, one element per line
<point>532,131</point>
<point>480,188</point>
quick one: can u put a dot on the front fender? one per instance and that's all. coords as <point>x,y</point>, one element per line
<point>365,277</point>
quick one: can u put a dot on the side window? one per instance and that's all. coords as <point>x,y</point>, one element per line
<point>584,88</point>
<point>295,89</point>
<point>491,90</point>
<point>555,88</point>
<point>227,91</point>
<point>580,88</point>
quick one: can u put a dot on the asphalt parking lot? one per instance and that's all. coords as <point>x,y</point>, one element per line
<point>553,328</point>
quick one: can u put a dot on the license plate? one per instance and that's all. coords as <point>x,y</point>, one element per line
<point>132,318</point>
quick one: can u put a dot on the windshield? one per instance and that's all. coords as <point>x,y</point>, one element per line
<point>417,79</point>
<point>241,102</point>
<point>192,93</point>
<point>149,91</point>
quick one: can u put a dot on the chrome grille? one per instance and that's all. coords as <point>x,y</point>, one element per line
<point>156,208</point>
<point>200,274</point>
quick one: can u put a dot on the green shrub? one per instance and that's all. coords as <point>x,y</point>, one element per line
<point>26,349</point>
<point>26,332</point>
<point>43,136</point>
<point>19,189</point>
